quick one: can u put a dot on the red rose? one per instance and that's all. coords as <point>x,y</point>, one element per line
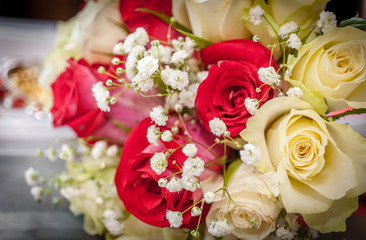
<point>73,102</point>
<point>137,183</point>
<point>155,27</point>
<point>223,92</point>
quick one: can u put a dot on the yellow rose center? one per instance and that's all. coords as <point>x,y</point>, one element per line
<point>242,218</point>
<point>305,148</point>
<point>341,63</point>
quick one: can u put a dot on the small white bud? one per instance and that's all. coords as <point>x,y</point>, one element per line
<point>113,100</point>
<point>209,197</point>
<point>119,71</point>
<point>116,61</point>
<point>101,69</point>
<point>109,82</point>
<point>162,182</point>
<point>196,211</point>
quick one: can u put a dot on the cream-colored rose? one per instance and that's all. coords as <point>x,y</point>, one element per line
<point>304,13</point>
<point>321,165</point>
<point>254,214</point>
<point>213,20</point>
<point>333,67</point>
<point>89,32</point>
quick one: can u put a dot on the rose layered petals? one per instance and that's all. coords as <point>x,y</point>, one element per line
<point>73,103</point>
<point>334,217</point>
<point>238,50</point>
<point>333,67</point>
<point>137,183</point>
<point>321,164</point>
<point>222,94</point>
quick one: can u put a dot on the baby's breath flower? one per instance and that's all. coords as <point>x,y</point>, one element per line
<point>143,84</point>
<point>118,49</point>
<point>193,166</point>
<point>158,163</point>
<point>115,61</point>
<point>31,176</point>
<point>190,150</point>
<point>114,226</point>
<point>209,197</point>
<point>189,45</point>
<point>67,153</point>
<point>109,82</point>
<point>255,38</point>
<point>268,75</point>
<point>101,96</point>
<point>112,151</point>
<point>251,105</point>
<point>178,107</point>
<point>137,51</point>
<point>251,154</point>
<point>111,222</point>
<point>147,66</point>
<point>162,182</point>
<point>217,127</point>
<point>294,92</point>
<point>98,149</point>
<point>179,57</point>
<point>189,183</point>
<point>142,38</point>
<point>219,228</point>
<point>174,185</point>
<point>287,29</point>
<point>159,116</point>
<point>256,14</point>
<point>163,53</point>
<point>176,79</point>
<point>196,211</point>
<point>167,136</point>
<point>175,218</point>
<point>294,41</point>
<point>101,69</point>
<point>153,135</point>
<point>327,21</point>
<point>37,192</point>
<point>285,234</point>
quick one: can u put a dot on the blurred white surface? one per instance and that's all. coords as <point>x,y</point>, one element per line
<point>26,37</point>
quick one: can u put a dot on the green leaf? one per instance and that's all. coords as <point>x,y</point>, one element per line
<point>356,22</point>
<point>348,112</point>
<point>165,18</point>
<point>202,43</point>
<point>232,169</point>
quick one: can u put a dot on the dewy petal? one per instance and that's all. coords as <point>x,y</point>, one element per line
<point>297,197</point>
<point>354,146</point>
<point>335,218</point>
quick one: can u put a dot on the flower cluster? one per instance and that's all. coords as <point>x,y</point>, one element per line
<point>223,134</point>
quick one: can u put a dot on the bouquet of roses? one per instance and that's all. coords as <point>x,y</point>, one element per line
<point>208,119</point>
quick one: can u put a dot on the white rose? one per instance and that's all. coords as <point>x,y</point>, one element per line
<point>321,165</point>
<point>212,20</point>
<point>333,67</point>
<point>256,209</point>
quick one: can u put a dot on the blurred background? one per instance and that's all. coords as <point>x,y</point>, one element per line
<point>27,31</point>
